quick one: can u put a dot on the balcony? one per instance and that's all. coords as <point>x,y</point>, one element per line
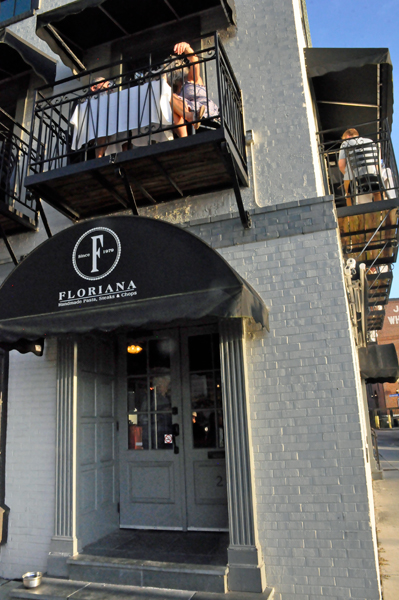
<point>18,208</point>
<point>128,120</point>
<point>367,210</point>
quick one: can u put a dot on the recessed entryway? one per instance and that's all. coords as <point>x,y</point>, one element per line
<point>203,548</point>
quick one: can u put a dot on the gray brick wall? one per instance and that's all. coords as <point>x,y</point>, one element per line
<point>265,57</point>
<point>30,467</point>
<point>268,223</point>
<point>312,501</point>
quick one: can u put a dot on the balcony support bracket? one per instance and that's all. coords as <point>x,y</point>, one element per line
<point>43,216</point>
<point>231,169</point>
<point>103,181</point>
<point>129,192</point>
<point>167,176</point>
<point>8,246</point>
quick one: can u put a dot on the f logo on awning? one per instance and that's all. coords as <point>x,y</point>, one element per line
<point>96,253</point>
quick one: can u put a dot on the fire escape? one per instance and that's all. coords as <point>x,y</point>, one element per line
<point>352,89</point>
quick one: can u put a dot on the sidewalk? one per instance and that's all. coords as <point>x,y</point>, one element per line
<point>386,499</point>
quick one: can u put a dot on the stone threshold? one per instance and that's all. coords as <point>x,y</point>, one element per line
<point>63,589</point>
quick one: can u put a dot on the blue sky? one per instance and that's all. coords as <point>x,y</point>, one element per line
<point>361,24</point>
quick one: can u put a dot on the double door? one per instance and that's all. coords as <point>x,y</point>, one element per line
<point>171,438</point>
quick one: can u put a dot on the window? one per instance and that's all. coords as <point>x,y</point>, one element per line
<point>15,10</point>
<point>149,396</point>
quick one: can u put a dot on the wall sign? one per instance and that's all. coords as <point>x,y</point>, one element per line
<point>96,253</point>
<point>95,256</point>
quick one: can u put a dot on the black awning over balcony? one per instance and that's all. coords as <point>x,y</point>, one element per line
<point>17,56</point>
<point>121,272</point>
<point>74,28</point>
<point>351,85</point>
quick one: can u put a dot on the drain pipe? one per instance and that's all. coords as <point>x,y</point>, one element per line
<point>249,142</point>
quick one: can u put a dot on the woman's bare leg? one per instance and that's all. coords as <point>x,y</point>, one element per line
<point>181,115</point>
<point>101,151</point>
<point>181,129</point>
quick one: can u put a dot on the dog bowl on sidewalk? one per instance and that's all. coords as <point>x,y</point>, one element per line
<point>32,579</point>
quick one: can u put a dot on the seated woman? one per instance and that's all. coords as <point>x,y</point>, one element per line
<point>99,86</point>
<point>190,100</point>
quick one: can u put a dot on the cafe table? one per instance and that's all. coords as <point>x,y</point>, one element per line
<point>139,110</point>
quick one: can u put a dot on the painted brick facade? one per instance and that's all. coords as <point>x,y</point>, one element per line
<point>310,477</point>
<point>30,466</point>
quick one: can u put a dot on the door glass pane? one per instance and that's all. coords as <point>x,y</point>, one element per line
<point>161,431</point>
<point>200,352</point>
<point>159,351</point>
<point>149,396</point>
<point>202,390</point>
<point>138,432</point>
<point>137,395</point>
<point>215,351</point>
<point>205,391</point>
<point>160,393</point>
<point>204,429</point>
<point>137,362</point>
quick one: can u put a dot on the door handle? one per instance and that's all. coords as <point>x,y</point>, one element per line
<point>217,454</point>
<point>175,433</point>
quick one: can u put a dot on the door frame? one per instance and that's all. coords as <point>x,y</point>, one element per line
<point>246,566</point>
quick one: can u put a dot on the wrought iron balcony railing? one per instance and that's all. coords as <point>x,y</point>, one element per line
<point>119,137</point>
<point>370,172</point>
<point>362,175</point>
<point>18,207</point>
<point>134,109</point>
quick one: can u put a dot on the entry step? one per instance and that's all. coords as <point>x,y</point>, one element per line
<point>63,589</point>
<point>147,573</point>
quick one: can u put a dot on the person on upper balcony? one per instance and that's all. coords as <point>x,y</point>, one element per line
<point>100,85</point>
<point>190,101</point>
<point>358,162</point>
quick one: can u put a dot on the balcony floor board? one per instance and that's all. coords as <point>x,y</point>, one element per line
<point>357,230</point>
<point>195,164</point>
<point>14,221</point>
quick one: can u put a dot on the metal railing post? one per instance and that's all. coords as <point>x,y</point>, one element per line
<point>218,76</point>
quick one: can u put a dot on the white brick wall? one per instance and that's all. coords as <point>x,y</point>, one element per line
<point>313,509</point>
<point>30,461</point>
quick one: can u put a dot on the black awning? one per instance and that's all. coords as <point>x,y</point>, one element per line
<point>379,363</point>
<point>118,272</point>
<point>352,85</point>
<point>74,28</point>
<point>17,56</point>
